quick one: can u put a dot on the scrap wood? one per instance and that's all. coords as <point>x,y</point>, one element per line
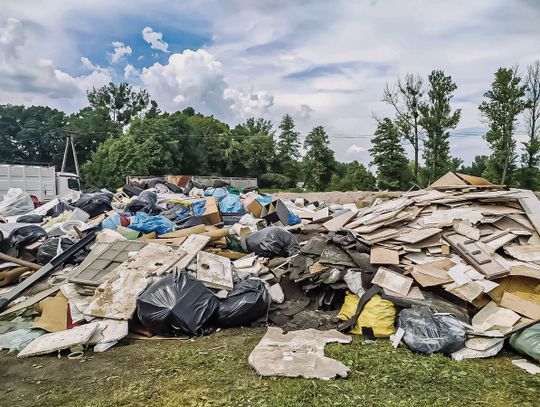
<point>28,302</point>
<point>191,246</point>
<point>214,271</point>
<point>20,262</point>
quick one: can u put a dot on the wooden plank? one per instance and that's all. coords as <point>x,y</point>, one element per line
<point>184,232</point>
<point>392,281</point>
<point>381,255</point>
<point>191,246</point>
<point>214,271</point>
<point>31,300</point>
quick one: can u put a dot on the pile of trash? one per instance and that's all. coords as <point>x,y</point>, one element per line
<point>452,269</point>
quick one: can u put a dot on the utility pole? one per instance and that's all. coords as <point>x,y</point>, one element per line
<point>70,143</point>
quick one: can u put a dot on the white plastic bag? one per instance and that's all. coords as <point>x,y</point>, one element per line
<point>16,202</point>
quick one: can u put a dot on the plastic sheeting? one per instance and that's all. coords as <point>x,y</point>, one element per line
<point>145,202</point>
<point>94,203</point>
<point>30,218</point>
<point>248,301</point>
<point>426,332</point>
<point>177,304</point>
<point>527,341</point>
<point>16,202</point>
<point>26,235</point>
<point>231,204</point>
<point>147,223</point>
<point>272,242</point>
<point>59,209</point>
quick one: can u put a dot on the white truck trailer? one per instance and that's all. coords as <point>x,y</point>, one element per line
<point>42,181</point>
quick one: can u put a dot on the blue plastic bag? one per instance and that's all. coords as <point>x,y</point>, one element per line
<point>231,204</point>
<point>264,200</point>
<point>293,219</point>
<point>220,194</point>
<point>112,222</point>
<point>147,223</point>
<point>198,208</point>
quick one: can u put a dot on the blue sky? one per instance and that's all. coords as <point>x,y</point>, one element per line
<point>326,63</point>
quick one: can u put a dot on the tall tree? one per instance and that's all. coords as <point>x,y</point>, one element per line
<point>406,97</point>
<point>389,157</point>
<point>90,127</point>
<point>477,167</point>
<point>319,162</point>
<point>121,101</point>
<point>116,158</point>
<point>288,150</point>
<point>34,134</point>
<point>530,158</point>
<point>257,147</point>
<point>504,102</point>
<point>437,118</point>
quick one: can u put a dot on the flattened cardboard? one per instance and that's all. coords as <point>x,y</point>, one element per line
<point>381,255</point>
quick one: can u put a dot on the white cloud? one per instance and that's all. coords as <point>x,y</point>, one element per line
<point>120,51</point>
<point>11,36</point>
<point>131,72</point>
<point>25,79</point>
<point>354,149</point>
<point>249,104</point>
<point>155,39</point>
<point>196,78</point>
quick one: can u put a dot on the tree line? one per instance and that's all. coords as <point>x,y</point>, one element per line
<point>424,118</point>
<point>123,132</point>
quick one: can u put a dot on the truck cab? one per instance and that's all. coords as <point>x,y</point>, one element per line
<point>67,182</point>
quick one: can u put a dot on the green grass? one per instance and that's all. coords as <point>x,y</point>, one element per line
<point>213,371</point>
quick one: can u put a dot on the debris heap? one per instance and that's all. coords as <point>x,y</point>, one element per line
<point>454,268</point>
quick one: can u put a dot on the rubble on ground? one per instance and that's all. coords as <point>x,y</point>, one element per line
<point>453,269</point>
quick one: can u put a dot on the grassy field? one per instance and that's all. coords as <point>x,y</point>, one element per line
<point>213,371</point>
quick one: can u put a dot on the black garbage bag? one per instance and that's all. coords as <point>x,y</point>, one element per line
<point>53,246</point>
<point>145,202</point>
<point>59,209</point>
<point>94,203</point>
<point>30,218</point>
<point>246,303</point>
<point>26,235</point>
<point>429,333</point>
<point>273,242</point>
<point>177,304</point>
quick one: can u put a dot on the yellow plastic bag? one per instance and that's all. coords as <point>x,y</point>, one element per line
<point>348,309</point>
<point>378,314</point>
